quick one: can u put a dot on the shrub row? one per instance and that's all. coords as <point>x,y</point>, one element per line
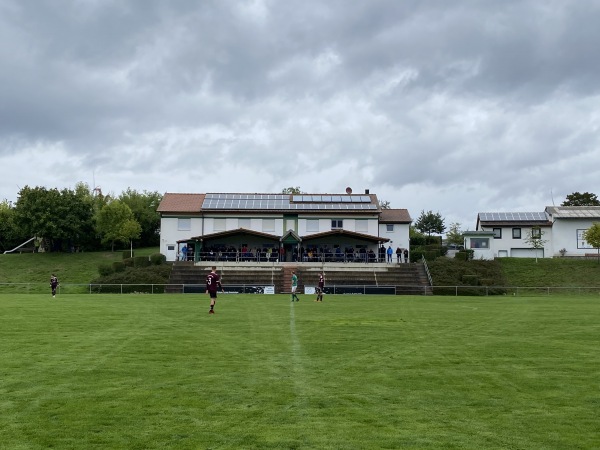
<point>155,259</point>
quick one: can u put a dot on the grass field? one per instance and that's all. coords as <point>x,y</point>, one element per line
<point>69,267</point>
<point>355,372</point>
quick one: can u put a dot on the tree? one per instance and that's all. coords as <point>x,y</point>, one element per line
<point>592,237</point>
<point>10,235</point>
<point>579,199</point>
<point>534,239</point>
<point>114,222</point>
<point>454,235</point>
<point>57,216</point>
<point>144,208</point>
<point>428,223</point>
<point>292,190</point>
<point>384,204</point>
<point>130,230</point>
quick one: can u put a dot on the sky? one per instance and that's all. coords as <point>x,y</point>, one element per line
<point>433,105</point>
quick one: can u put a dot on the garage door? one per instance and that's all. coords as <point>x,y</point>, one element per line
<point>526,253</point>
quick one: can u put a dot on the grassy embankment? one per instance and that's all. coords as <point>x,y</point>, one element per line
<point>562,272</point>
<point>70,268</point>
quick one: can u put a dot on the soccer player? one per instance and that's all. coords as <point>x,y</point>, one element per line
<point>320,288</point>
<point>53,284</point>
<point>294,286</point>
<point>213,282</point>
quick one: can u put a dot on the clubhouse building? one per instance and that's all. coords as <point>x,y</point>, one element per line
<point>280,227</point>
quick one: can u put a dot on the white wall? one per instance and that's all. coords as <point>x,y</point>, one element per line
<point>325,224</point>
<point>169,234</point>
<point>399,237</point>
<point>509,245</point>
<point>565,232</point>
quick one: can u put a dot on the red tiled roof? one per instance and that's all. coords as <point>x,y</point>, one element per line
<point>172,203</point>
<point>394,216</point>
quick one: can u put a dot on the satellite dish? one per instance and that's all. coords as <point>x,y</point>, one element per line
<point>348,190</point>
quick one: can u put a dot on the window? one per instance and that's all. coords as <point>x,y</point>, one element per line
<point>536,232</point>
<point>219,225</point>
<point>244,223</point>
<point>337,224</point>
<point>516,233</point>
<point>170,247</point>
<point>184,224</point>
<point>312,225</point>
<point>389,227</point>
<point>362,226</point>
<point>480,243</point>
<point>497,233</point>
<point>268,225</point>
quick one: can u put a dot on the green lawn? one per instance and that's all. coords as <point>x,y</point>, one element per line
<point>355,372</point>
<point>69,267</point>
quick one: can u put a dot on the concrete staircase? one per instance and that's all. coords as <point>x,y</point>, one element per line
<point>408,279</point>
<point>188,277</point>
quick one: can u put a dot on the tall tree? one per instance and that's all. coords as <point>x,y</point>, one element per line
<point>535,239</point>
<point>114,223</point>
<point>143,206</point>
<point>579,199</point>
<point>60,217</point>
<point>429,222</point>
<point>455,235</point>
<point>592,237</point>
<point>10,234</point>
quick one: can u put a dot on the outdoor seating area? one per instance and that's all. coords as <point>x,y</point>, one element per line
<point>310,254</point>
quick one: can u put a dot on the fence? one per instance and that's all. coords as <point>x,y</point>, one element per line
<point>514,291</point>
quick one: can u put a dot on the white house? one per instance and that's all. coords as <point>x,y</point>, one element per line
<point>559,228</point>
<point>568,226</point>
<point>283,227</point>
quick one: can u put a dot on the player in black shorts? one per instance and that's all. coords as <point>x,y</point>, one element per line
<point>213,283</point>
<point>320,288</point>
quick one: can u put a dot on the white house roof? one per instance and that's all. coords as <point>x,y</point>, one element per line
<point>574,212</point>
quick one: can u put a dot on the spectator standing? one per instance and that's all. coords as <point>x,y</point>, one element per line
<point>399,254</point>
<point>405,255</point>
<point>390,252</point>
<point>184,250</point>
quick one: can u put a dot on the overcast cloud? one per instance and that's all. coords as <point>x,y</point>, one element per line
<point>454,107</point>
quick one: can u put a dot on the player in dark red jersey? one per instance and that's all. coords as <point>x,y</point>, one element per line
<point>53,284</point>
<point>320,288</point>
<point>213,283</point>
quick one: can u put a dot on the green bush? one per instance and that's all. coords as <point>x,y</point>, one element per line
<point>470,280</point>
<point>128,254</point>
<point>417,253</point>
<point>465,255</point>
<point>141,261</point>
<point>417,241</point>
<point>157,259</point>
<point>118,266</point>
<point>135,277</point>
<point>128,262</point>
<point>105,269</point>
